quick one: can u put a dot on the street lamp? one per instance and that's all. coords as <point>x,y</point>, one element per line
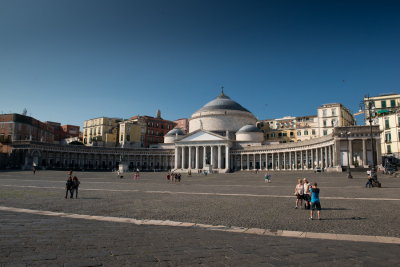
<point>369,105</point>
<point>347,134</point>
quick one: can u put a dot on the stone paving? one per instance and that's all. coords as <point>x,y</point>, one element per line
<point>239,199</point>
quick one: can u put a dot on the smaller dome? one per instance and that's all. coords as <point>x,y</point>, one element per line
<point>174,132</point>
<point>249,129</point>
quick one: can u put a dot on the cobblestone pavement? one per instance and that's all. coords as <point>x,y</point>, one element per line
<point>239,199</point>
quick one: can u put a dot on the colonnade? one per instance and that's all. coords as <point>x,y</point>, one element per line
<point>199,157</point>
<point>291,159</point>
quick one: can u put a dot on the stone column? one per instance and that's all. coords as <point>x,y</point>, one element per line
<point>197,157</point>
<point>326,157</point>
<point>301,160</point>
<point>183,157</point>
<point>317,157</point>
<point>266,161</point>
<point>284,160</point>
<point>241,162</point>
<point>261,161</point>
<point>248,161</point>
<point>272,161</point>
<point>335,163</point>
<point>290,160</point>
<point>279,161</point>
<point>365,163</point>
<point>190,158</point>
<point>330,156</point>
<point>212,157</point>
<point>312,158</point>
<point>227,157</point>
<point>219,157</point>
<point>295,160</point>
<point>351,153</point>
<point>204,156</point>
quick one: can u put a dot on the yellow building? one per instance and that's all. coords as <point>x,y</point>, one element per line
<point>131,133</point>
<point>101,131</point>
<point>386,114</point>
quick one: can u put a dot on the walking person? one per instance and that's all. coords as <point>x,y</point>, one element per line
<point>299,192</point>
<point>68,187</point>
<point>307,194</point>
<point>75,185</point>
<point>315,203</point>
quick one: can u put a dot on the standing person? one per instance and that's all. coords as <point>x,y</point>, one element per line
<point>267,178</point>
<point>315,203</point>
<point>76,184</point>
<point>70,173</point>
<point>168,176</point>
<point>307,193</point>
<point>299,192</point>
<point>68,187</point>
<point>34,169</point>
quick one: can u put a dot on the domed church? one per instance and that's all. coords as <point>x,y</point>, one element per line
<point>214,129</point>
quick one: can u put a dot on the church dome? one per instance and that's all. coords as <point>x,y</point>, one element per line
<point>222,102</point>
<point>249,129</point>
<point>174,132</point>
<point>249,133</point>
<point>172,135</point>
<point>220,115</point>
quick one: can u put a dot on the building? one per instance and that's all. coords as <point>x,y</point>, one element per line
<point>386,114</point>
<point>156,128</point>
<point>101,131</point>
<point>295,129</point>
<point>182,124</point>
<point>15,127</point>
<point>132,133</point>
<point>222,138</point>
<point>333,115</point>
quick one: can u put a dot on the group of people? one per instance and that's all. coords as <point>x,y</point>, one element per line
<point>308,193</point>
<point>72,186</point>
<point>173,177</point>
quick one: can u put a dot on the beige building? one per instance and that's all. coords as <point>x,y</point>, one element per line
<point>101,131</point>
<point>295,129</point>
<point>333,115</point>
<point>387,115</point>
<point>131,134</point>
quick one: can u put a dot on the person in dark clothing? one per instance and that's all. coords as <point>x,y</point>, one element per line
<point>75,186</point>
<point>68,187</point>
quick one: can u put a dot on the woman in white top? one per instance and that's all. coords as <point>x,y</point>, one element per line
<point>299,192</point>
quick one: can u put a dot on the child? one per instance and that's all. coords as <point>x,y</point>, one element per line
<point>315,204</point>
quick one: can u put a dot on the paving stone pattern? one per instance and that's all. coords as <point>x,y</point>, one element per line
<point>35,240</point>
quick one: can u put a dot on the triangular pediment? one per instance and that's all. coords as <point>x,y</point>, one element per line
<point>202,136</point>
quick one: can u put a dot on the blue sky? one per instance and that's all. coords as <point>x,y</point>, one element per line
<point>72,60</point>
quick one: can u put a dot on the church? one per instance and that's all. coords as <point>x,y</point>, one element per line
<point>222,138</point>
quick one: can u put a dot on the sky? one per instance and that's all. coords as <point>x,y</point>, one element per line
<point>74,60</point>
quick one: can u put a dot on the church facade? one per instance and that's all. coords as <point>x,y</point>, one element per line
<point>222,138</point>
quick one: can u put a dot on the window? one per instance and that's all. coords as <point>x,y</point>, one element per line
<point>324,112</point>
<point>280,134</point>
<point>387,125</point>
<point>398,121</point>
<point>383,103</point>
<point>325,132</point>
<point>122,138</point>
<point>272,135</point>
<point>267,136</point>
<point>313,132</point>
<point>305,132</point>
<point>284,134</point>
<point>299,133</point>
<point>393,103</point>
<point>389,149</point>
<point>324,123</point>
<point>333,122</point>
<point>128,138</point>
<point>291,133</point>
<point>333,112</point>
<point>388,137</point>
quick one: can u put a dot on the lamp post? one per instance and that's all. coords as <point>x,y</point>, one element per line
<point>346,134</point>
<point>370,106</point>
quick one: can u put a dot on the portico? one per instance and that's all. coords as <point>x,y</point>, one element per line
<point>202,150</point>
